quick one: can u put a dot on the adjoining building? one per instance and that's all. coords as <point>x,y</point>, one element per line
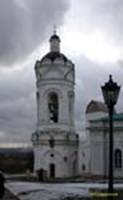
<point>98,137</point>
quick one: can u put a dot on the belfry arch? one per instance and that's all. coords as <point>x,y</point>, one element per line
<point>53,107</point>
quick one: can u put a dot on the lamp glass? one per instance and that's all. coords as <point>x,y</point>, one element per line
<point>110,92</point>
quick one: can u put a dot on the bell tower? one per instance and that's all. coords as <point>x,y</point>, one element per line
<point>55,141</point>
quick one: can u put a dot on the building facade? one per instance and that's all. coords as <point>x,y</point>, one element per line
<point>55,141</point>
<point>97,129</point>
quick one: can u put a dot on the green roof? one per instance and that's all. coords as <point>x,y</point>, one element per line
<point>116,117</point>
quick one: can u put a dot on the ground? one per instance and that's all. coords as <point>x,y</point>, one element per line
<point>9,196</point>
<point>61,191</point>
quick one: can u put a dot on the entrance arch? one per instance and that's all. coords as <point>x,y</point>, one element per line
<point>52,170</point>
<point>74,168</point>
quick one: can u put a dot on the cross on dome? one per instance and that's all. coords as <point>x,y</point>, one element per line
<point>54,42</point>
<point>55,30</point>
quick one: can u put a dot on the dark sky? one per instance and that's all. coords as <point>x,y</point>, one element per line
<point>25,28</point>
<point>24,25</point>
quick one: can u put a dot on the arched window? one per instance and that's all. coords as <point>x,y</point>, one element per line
<point>53,107</point>
<point>83,167</point>
<point>118,159</point>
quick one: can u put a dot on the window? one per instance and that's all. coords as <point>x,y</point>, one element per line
<point>65,159</point>
<point>118,159</point>
<point>37,94</point>
<point>53,107</point>
<point>83,154</point>
<point>83,167</point>
<point>51,142</point>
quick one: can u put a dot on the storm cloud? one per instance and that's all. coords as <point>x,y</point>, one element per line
<point>103,15</point>
<point>90,76</point>
<point>28,24</point>
<point>17,105</point>
<point>24,25</point>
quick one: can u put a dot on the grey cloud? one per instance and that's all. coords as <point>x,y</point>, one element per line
<point>17,105</point>
<point>16,84</point>
<point>102,15</point>
<point>18,102</point>
<point>90,76</point>
<point>24,25</point>
<point>28,23</point>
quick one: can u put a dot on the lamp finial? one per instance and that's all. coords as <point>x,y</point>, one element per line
<point>110,78</point>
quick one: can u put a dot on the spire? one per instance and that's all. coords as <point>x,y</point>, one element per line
<point>55,30</point>
<point>54,41</point>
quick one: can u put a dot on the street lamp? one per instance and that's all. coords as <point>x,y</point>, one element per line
<point>110,93</point>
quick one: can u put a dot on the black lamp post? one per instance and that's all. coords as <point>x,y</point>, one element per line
<point>110,93</point>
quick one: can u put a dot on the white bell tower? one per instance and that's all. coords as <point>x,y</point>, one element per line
<point>55,141</point>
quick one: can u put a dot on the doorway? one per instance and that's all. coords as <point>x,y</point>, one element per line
<point>74,168</point>
<point>52,170</point>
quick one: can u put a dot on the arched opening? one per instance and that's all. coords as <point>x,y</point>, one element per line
<point>52,170</point>
<point>52,142</point>
<point>40,174</point>
<point>53,107</point>
<point>118,159</point>
<point>74,167</point>
<point>83,167</point>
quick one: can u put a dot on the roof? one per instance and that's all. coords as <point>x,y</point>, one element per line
<point>53,55</point>
<point>55,37</point>
<point>96,106</point>
<point>116,117</point>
